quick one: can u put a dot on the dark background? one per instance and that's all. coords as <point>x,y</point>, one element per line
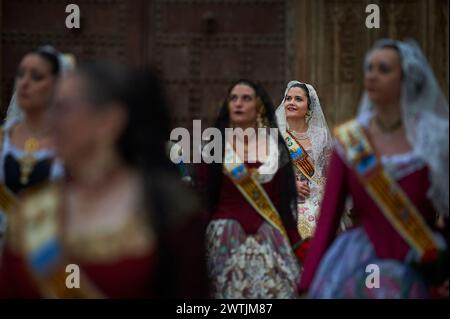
<point>200,46</point>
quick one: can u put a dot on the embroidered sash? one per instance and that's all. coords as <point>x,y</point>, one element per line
<point>300,157</point>
<point>384,190</point>
<point>41,243</point>
<point>247,183</point>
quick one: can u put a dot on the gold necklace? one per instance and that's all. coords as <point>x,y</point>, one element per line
<point>28,161</point>
<point>300,136</point>
<point>389,128</point>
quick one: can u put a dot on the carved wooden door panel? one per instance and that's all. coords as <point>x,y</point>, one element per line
<point>110,29</point>
<point>201,46</point>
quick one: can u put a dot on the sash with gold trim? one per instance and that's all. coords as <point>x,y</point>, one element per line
<point>300,157</point>
<point>247,183</point>
<point>383,189</point>
<point>7,198</point>
<point>40,240</point>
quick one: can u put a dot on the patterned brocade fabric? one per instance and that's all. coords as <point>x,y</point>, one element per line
<point>308,210</point>
<point>250,266</point>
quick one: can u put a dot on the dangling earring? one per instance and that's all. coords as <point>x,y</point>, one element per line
<point>308,116</point>
<point>259,120</point>
<point>266,122</point>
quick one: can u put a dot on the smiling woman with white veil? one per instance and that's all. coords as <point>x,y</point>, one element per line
<point>305,130</point>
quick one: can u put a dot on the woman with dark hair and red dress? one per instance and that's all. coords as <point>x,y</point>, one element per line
<point>252,234</point>
<point>120,223</point>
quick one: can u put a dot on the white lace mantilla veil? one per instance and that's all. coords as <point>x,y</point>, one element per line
<point>66,63</point>
<point>318,131</point>
<point>425,116</point>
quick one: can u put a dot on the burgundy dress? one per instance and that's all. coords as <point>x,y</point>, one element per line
<point>247,257</point>
<point>374,240</point>
<point>124,262</point>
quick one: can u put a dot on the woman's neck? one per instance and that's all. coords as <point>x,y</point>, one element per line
<point>298,125</point>
<point>248,134</point>
<point>35,122</point>
<point>388,114</point>
<point>245,126</point>
<point>92,171</point>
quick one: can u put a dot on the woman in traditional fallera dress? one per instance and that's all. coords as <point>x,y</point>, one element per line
<point>121,214</point>
<point>393,160</point>
<point>26,148</point>
<point>303,125</point>
<point>252,234</point>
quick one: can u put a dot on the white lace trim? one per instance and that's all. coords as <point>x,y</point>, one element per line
<point>398,165</point>
<point>56,170</point>
<point>425,115</point>
<point>318,132</point>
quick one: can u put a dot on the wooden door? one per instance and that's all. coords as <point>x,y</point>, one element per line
<point>201,46</point>
<point>110,30</point>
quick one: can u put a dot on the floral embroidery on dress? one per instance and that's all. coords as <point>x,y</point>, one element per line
<point>308,209</point>
<point>250,266</point>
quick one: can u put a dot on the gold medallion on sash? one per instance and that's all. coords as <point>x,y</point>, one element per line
<point>247,183</point>
<point>384,190</point>
<point>40,237</point>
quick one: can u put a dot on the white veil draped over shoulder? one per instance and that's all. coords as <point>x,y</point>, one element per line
<point>425,115</point>
<point>318,131</point>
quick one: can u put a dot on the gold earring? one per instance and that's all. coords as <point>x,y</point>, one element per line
<point>259,120</point>
<point>308,116</point>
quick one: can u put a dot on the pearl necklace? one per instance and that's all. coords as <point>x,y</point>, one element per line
<point>300,136</point>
